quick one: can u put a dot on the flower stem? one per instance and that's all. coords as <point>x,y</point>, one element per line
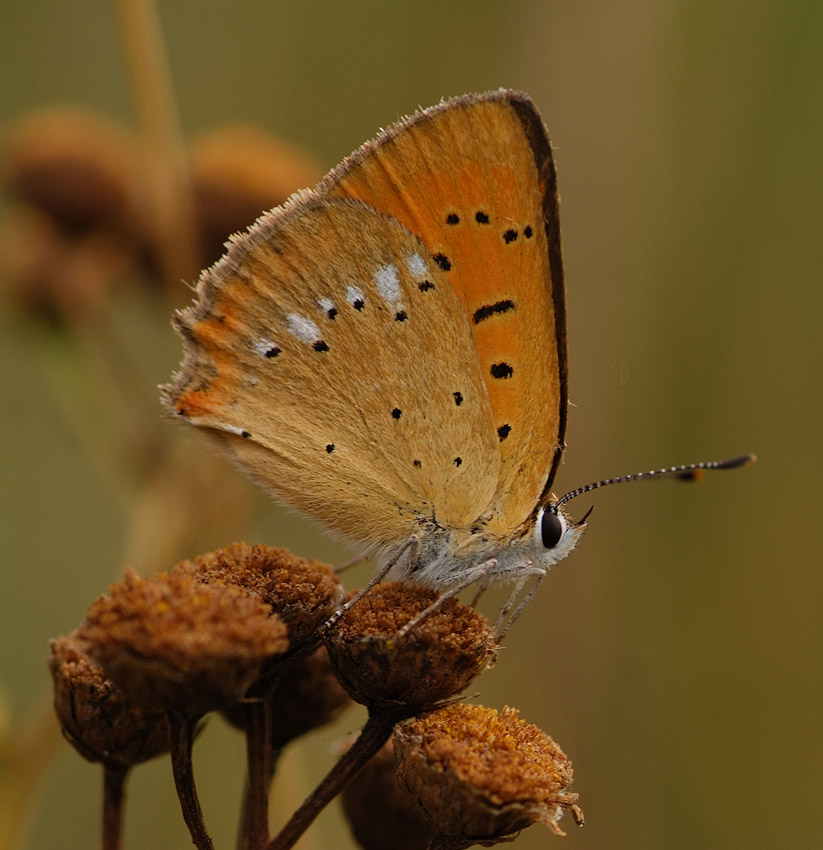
<point>260,766</point>
<point>167,180</point>
<point>114,780</point>
<point>181,730</point>
<point>244,831</point>
<point>374,734</point>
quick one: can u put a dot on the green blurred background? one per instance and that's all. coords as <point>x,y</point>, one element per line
<point>676,656</point>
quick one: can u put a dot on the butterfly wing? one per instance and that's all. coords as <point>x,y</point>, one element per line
<point>331,358</point>
<point>389,351</point>
<point>474,179</point>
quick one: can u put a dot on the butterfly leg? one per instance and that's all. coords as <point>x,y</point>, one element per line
<point>479,573</point>
<point>502,631</point>
<point>409,549</point>
<point>518,588</point>
<point>350,563</point>
<point>481,589</point>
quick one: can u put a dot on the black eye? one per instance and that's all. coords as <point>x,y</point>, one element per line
<point>551,529</point>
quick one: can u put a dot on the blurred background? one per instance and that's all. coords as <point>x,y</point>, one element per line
<point>676,656</point>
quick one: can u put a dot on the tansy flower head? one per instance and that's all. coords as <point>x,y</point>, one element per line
<point>96,716</point>
<point>483,776</point>
<point>383,666</point>
<point>174,642</point>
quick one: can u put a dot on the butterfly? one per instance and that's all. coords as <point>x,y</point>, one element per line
<point>387,352</point>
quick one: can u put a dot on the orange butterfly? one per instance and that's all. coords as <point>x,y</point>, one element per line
<point>387,352</point>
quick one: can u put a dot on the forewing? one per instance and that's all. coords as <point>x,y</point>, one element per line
<point>474,179</point>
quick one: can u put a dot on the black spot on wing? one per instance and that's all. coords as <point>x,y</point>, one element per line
<point>501,370</point>
<point>489,310</point>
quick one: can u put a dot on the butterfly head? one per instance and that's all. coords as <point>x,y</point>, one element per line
<point>554,534</point>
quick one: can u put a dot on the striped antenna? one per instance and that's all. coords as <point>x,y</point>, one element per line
<point>689,472</point>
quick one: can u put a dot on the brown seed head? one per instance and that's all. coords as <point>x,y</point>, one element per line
<point>173,642</point>
<point>76,166</point>
<point>304,593</point>
<point>480,775</point>
<point>97,718</point>
<point>380,813</point>
<point>417,670</point>
<point>50,275</point>
<point>238,172</point>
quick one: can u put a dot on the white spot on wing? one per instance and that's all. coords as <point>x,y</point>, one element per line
<point>417,265</point>
<point>304,329</point>
<point>263,346</point>
<point>353,294</point>
<point>326,304</point>
<point>388,284</point>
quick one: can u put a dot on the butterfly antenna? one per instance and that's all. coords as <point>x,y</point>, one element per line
<point>689,472</point>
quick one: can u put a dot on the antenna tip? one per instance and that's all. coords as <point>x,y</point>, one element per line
<point>698,471</point>
<point>736,462</point>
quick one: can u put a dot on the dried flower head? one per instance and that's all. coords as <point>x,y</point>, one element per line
<point>50,275</point>
<point>304,593</point>
<point>483,776</point>
<point>96,716</point>
<point>174,642</point>
<point>380,813</point>
<point>74,227</point>
<point>76,166</point>
<point>237,172</point>
<point>382,666</point>
<point>307,696</point>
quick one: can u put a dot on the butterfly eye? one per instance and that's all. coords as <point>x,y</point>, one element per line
<point>551,527</point>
